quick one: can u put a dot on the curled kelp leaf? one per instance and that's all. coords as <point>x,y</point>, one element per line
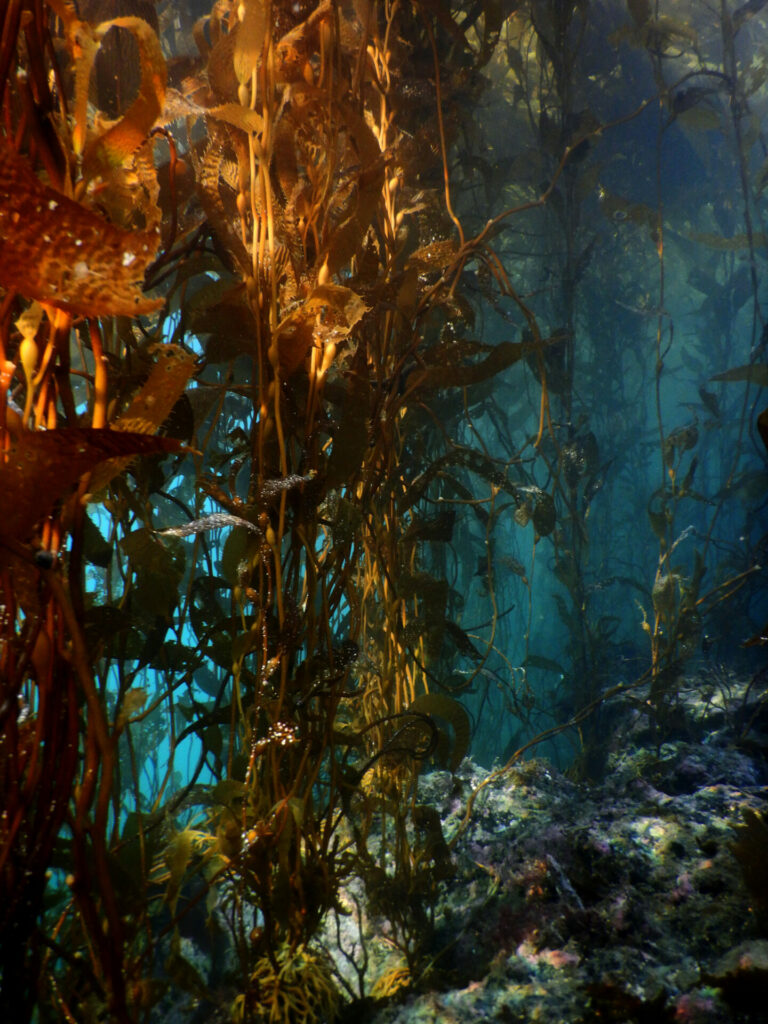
<point>444,710</point>
<point>123,138</point>
<point>60,253</point>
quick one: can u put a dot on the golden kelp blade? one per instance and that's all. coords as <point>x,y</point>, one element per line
<point>40,467</point>
<point>342,307</point>
<point>124,138</point>
<point>58,252</point>
<point>150,407</point>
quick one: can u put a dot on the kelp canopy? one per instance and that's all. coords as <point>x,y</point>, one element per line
<point>376,379</point>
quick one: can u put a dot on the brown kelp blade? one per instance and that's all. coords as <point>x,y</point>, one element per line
<point>61,253</point>
<point>41,467</point>
<point>762,426</point>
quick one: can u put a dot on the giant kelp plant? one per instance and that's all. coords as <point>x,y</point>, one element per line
<point>314,388</point>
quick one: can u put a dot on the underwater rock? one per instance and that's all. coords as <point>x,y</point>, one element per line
<point>742,977</point>
<point>622,901</point>
<point>614,902</point>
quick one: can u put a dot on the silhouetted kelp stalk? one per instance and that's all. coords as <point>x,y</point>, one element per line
<point>58,748</point>
<point>678,605</point>
<point>571,450</point>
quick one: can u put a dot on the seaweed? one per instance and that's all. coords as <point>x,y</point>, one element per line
<point>750,850</point>
<point>315,421</point>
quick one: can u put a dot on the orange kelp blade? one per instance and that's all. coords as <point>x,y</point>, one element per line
<point>41,467</point>
<point>61,253</point>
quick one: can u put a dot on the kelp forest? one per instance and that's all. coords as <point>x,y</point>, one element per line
<point>382,384</point>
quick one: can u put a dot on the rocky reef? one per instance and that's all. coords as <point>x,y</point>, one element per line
<point>641,898</point>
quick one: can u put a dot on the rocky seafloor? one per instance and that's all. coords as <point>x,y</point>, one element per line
<point>638,899</point>
<point>643,898</point>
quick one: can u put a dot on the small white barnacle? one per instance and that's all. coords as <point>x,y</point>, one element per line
<point>52,204</point>
<point>128,258</point>
<point>78,242</point>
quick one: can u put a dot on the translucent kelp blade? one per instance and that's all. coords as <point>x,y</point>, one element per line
<point>58,252</point>
<point>40,467</point>
<point>151,406</point>
<point>124,138</point>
